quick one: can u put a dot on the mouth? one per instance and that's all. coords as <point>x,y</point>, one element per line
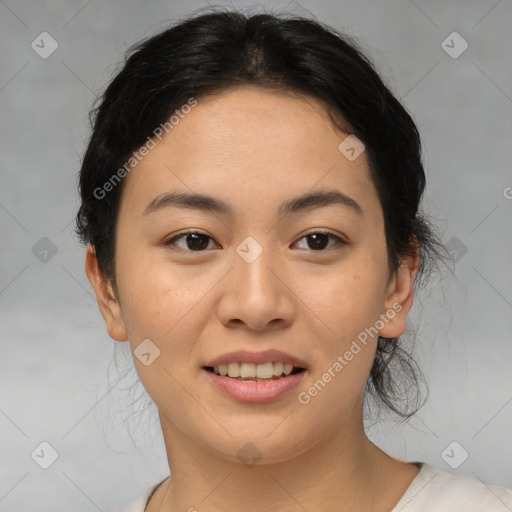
<point>264,372</point>
<point>257,377</point>
<point>255,383</point>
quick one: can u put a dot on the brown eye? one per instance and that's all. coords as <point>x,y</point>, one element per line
<point>318,240</point>
<point>194,241</point>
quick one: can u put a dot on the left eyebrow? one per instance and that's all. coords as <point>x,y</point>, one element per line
<point>312,200</point>
<point>204,202</point>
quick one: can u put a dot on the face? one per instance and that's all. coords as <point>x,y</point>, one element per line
<point>263,272</point>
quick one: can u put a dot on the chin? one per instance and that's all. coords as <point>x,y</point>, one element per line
<point>260,447</point>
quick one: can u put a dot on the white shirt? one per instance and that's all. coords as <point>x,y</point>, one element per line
<point>433,490</point>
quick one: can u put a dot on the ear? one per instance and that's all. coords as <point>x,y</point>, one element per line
<point>107,302</point>
<point>399,296</point>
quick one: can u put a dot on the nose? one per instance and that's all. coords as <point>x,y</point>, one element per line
<point>257,294</point>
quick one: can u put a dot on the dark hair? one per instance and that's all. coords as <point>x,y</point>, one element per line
<point>209,53</point>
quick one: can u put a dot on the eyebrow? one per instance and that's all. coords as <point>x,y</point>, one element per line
<point>211,204</point>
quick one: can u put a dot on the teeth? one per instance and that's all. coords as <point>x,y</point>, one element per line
<point>265,371</point>
<point>252,371</point>
<point>234,370</point>
<point>247,370</point>
<point>278,369</point>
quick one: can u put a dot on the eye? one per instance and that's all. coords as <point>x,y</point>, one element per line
<point>319,240</point>
<point>195,241</point>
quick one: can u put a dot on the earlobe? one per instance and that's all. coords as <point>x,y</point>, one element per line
<point>400,296</point>
<point>108,303</point>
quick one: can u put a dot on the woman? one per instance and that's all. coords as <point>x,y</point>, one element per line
<point>250,201</point>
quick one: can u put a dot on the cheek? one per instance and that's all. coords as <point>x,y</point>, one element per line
<point>344,301</point>
<point>165,307</point>
<point>340,309</point>
<point>159,301</point>
<point>337,387</point>
<point>153,291</point>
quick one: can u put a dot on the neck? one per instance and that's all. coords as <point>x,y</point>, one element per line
<point>345,467</point>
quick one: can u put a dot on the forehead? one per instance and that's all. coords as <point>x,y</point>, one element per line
<point>250,146</point>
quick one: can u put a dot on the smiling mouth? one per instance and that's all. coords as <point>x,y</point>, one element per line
<point>250,374</point>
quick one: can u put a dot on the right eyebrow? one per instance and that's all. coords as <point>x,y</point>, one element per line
<point>188,200</point>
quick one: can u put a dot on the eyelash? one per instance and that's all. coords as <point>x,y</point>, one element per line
<point>340,242</point>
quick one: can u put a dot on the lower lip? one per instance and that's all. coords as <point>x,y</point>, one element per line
<point>253,391</point>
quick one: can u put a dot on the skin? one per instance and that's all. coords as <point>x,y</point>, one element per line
<point>255,149</point>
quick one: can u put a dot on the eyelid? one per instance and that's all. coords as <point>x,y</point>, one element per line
<point>182,234</point>
<point>340,239</point>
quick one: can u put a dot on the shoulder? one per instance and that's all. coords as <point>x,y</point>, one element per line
<point>139,504</point>
<point>436,490</point>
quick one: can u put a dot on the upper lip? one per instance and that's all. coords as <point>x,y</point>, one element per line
<point>244,356</point>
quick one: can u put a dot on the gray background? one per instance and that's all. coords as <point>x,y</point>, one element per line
<point>58,380</point>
